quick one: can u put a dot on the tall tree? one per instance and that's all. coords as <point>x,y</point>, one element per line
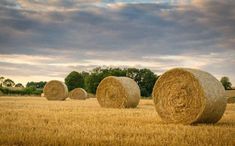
<point>19,85</point>
<point>74,80</point>
<point>98,74</point>
<point>146,81</point>
<point>133,73</point>
<point>38,85</point>
<point>145,78</point>
<point>226,83</point>
<point>1,81</point>
<point>92,81</point>
<point>8,83</point>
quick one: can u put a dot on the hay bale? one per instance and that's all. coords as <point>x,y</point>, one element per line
<point>188,96</point>
<point>55,90</point>
<point>231,100</point>
<point>118,92</point>
<point>42,95</point>
<point>78,93</point>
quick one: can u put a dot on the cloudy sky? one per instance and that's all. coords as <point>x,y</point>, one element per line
<point>46,39</point>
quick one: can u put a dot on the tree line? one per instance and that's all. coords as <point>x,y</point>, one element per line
<point>8,86</point>
<point>145,78</point>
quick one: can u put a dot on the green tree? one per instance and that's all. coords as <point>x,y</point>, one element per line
<point>98,74</point>
<point>37,85</point>
<point>226,83</point>
<point>74,80</point>
<point>1,81</point>
<point>145,78</point>
<point>8,83</point>
<point>133,73</point>
<point>19,85</point>
<point>85,76</point>
<point>146,82</point>
<point>92,81</point>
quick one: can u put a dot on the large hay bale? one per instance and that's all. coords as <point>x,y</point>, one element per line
<point>188,96</point>
<point>78,93</point>
<point>118,92</point>
<point>55,90</point>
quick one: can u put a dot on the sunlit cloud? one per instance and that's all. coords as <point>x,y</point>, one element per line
<point>49,6</point>
<point>49,39</point>
<point>24,59</point>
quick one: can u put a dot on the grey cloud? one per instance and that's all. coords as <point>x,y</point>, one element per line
<point>128,33</point>
<point>132,28</point>
<point>9,3</point>
<point>215,16</point>
<point>33,70</point>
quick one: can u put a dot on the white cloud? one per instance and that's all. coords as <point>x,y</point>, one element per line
<point>70,36</point>
<point>24,59</point>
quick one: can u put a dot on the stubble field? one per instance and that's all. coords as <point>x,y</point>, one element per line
<point>36,121</point>
<point>230,93</point>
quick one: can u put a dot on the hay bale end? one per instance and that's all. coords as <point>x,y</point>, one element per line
<point>78,93</point>
<point>118,92</point>
<point>189,96</point>
<point>55,90</point>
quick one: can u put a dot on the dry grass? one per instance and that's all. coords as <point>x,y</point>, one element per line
<point>230,93</point>
<point>36,121</point>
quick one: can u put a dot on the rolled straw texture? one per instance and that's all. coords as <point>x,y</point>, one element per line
<point>55,90</point>
<point>118,92</point>
<point>188,96</point>
<point>78,93</point>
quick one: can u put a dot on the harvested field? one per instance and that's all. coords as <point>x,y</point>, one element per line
<point>37,121</point>
<point>230,93</point>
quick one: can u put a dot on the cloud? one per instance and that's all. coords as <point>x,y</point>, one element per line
<point>215,16</point>
<point>134,24</point>
<point>46,5</point>
<point>58,36</point>
<point>24,59</point>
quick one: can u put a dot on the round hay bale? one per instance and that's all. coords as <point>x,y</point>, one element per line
<point>118,92</point>
<point>188,96</point>
<point>78,93</point>
<point>55,90</point>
